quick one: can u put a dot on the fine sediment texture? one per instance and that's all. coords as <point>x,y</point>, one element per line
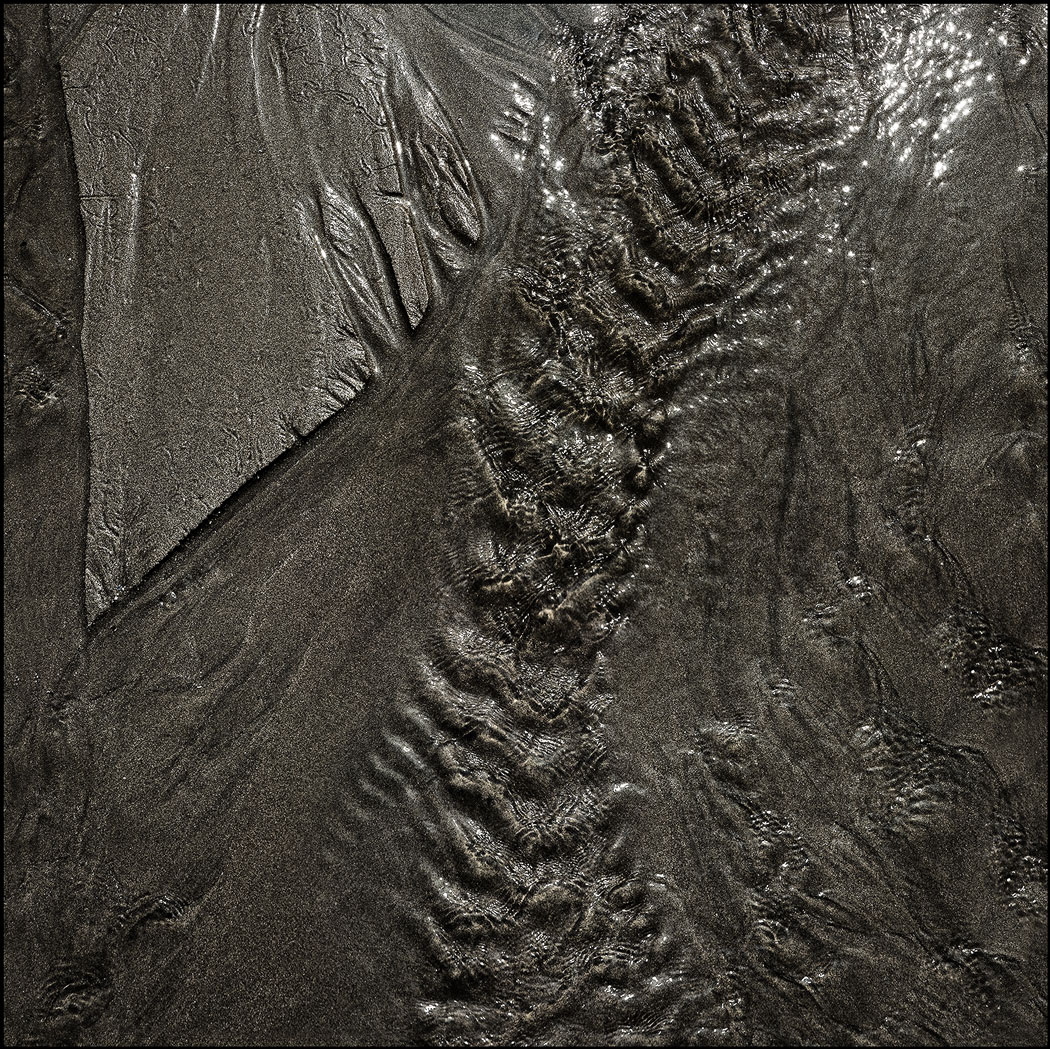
<point>560,553</point>
<point>263,210</point>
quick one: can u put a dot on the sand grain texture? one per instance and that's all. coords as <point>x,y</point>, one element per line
<point>525,524</point>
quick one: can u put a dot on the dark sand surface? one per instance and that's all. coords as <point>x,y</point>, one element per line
<point>525,524</point>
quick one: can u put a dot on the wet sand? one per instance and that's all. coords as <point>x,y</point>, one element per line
<point>525,525</point>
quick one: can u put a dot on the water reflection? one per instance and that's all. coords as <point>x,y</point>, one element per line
<point>948,63</point>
